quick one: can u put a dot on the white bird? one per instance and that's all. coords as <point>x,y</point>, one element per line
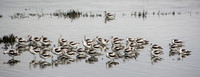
<point>20,40</point>
<point>141,41</point>
<point>80,51</point>
<point>156,52</point>
<point>128,39</point>
<point>12,53</point>
<point>184,51</point>
<point>73,44</point>
<point>155,47</point>
<point>177,41</point>
<point>45,41</point>
<point>174,47</point>
<point>129,50</point>
<point>34,51</point>
<point>56,51</point>
<point>87,43</point>
<point>109,15</point>
<point>102,41</point>
<point>111,55</point>
<point>62,41</point>
<point>44,55</point>
<point>117,48</point>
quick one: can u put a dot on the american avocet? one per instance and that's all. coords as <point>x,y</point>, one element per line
<point>109,15</point>
<point>44,55</point>
<point>155,47</point>
<point>174,47</point>
<point>34,51</point>
<point>177,41</point>
<point>62,41</point>
<point>56,51</point>
<point>73,44</point>
<point>117,48</point>
<point>184,51</point>
<point>11,53</point>
<point>45,41</point>
<point>112,55</point>
<point>87,43</point>
<point>129,50</point>
<point>156,52</point>
<point>81,51</point>
<point>102,41</point>
<point>96,46</point>
<point>142,41</point>
<point>20,40</point>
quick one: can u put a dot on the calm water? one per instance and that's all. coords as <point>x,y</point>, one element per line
<point>157,29</point>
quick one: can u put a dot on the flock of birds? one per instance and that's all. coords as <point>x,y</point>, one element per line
<point>65,49</point>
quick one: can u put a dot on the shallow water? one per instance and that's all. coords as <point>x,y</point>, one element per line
<point>157,29</point>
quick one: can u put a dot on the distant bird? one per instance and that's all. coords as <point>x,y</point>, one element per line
<point>93,53</point>
<point>20,40</point>
<point>96,46</point>
<point>177,41</point>
<point>116,41</point>
<point>12,53</point>
<point>45,41</point>
<point>109,15</point>
<point>128,39</point>
<point>73,44</point>
<point>184,51</point>
<point>32,38</point>
<point>174,47</point>
<point>62,41</point>
<point>34,51</point>
<point>156,52</point>
<point>44,55</point>
<point>117,48</point>
<point>102,41</point>
<point>87,43</point>
<point>56,51</point>
<point>141,41</point>
<point>71,53</point>
<point>129,50</point>
<point>156,47</point>
<point>111,55</point>
<point>81,51</point>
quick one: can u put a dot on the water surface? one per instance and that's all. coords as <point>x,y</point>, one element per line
<point>157,29</point>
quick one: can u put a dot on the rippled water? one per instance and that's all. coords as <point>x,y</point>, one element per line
<point>157,29</point>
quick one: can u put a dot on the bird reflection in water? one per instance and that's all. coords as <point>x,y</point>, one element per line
<point>180,56</point>
<point>92,60</point>
<point>111,64</point>
<point>44,64</point>
<point>41,64</point>
<point>80,57</point>
<point>107,20</point>
<point>12,62</point>
<point>128,57</point>
<point>33,64</point>
<point>62,60</point>
<point>155,59</point>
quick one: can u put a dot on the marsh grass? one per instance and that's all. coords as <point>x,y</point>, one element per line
<point>1,16</point>
<point>8,39</point>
